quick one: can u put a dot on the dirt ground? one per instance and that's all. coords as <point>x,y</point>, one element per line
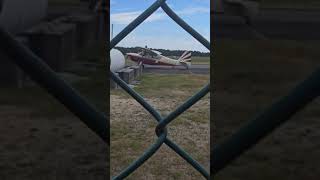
<point>40,139</point>
<point>248,77</point>
<point>132,131</point>
<point>48,148</point>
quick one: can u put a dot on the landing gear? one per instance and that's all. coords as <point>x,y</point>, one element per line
<point>141,64</point>
<point>186,66</point>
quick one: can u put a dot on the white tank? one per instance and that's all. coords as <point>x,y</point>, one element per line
<point>117,60</point>
<point>17,15</point>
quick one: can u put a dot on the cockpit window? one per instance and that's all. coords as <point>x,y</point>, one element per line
<point>148,54</point>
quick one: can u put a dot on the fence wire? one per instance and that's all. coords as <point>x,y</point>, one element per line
<point>41,73</point>
<point>274,116</point>
<point>160,129</point>
<point>222,154</point>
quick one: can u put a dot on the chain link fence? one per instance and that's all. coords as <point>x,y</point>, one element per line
<point>160,130</point>
<point>265,122</point>
<point>42,74</point>
<point>221,155</point>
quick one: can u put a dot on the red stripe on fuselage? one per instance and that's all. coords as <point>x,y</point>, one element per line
<point>148,61</point>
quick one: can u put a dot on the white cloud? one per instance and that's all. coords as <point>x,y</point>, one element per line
<point>165,42</point>
<point>193,10</point>
<point>124,17</point>
<point>127,17</point>
<point>183,42</point>
<point>202,1</point>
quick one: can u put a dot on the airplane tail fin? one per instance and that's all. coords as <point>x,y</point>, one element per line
<point>185,59</point>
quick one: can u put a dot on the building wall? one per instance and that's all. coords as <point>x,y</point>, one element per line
<point>17,15</point>
<point>217,6</point>
<point>250,7</point>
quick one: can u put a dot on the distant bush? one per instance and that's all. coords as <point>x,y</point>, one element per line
<point>165,52</point>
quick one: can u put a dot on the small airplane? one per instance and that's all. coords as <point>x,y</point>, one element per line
<point>152,57</point>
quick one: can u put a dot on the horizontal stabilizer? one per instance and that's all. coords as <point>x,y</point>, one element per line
<point>185,57</point>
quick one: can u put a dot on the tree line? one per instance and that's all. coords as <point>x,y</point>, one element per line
<point>165,52</point>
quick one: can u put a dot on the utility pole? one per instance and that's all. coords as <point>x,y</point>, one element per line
<point>102,10</point>
<point>111,31</point>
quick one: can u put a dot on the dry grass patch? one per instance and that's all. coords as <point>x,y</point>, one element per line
<point>132,128</point>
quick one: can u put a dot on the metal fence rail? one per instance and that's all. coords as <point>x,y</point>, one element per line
<point>160,129</point>
<point>265,123</point>
<point>41,73</point>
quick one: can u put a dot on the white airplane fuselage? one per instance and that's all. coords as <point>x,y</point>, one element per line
<point>160,60</point>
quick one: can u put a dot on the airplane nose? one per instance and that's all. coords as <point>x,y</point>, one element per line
<point>128,56</point>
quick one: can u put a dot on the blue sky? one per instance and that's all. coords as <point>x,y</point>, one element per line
<point>159,31</point>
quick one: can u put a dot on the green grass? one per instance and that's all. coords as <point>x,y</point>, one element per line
<point>200,60</point>
<point>165,85</point>
<point>130,137</point>
<point>194,60</point>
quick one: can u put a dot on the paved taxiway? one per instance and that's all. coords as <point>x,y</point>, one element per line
<point>195,69</point>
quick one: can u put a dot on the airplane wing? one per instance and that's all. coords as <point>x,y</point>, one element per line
<point>151,52</point>
<point>157,52</point>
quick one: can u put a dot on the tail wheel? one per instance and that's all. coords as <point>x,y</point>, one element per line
<point>141,64</point>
